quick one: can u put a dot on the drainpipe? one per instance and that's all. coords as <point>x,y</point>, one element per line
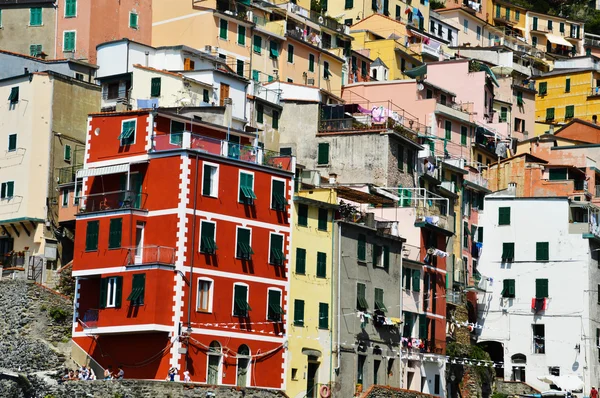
<point>193,255</point>
<point>339,300</point>
<point>55,30</point>
<point>331,300</point>
<point>401,383</point>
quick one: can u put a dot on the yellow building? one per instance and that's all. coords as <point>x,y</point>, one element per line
<point>556,36</point>
<point>309,362</point>
<point>508,17</point>
<point>565,94</point>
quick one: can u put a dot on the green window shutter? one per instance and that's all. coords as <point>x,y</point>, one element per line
<point>508,251</point>
<point>300,261</point>
<point>549,113</point>
<point>374,5</point>
<point>255,75</point>
<point>35,16</point>
<point>448,130</point>
<point>241,35</point>
<point>205,96</point>
<point>326,73</point>
<point>348,4</point>
<point>323,5</point>
<point>361,297</point>
<point>311,63</point>
<point>541,288</point>
<point>400,158</point>
<point>480,234</point>
<point>535,23</point>
<point>155,87</point>
<point>240,67</point>
<point>361,254</point>
<point>323,316</point>
<point>206,179</point>
<point>386,257</point>
<point>246,194</point>
<point>133,20</point>
<point>103,292</point>
<point>298,312</point>
<point>508,288</point>
<point>504,216</point>
<point>542,251</point>
<point>290,53</point>
<point>12,142</point>
<point>223,26</point>
<point>276,250</point>
<point>379,300</point>
<point>257,44</point>
<point>275,119</point>
<point>69,41</point>
<point>275,311</point>
<point>91,235</point>
<point>67,154</point>
<point>71,8</point>
<point>321,265</point>
<point>407,275</point>
<point>568,85</point>
<point>562,27</point>
<point>303,215</point>
<point>10,189</point>
<point>138,287</point>
<point>323,153</point>
<point>323,215</point>
<point>259,113</point>
<point>570,111</point>
<point>422,326</point>
<point>416,280</point>
<point>464,132</point>
<point>127,136</point>
<point>363,69</point>
<point>114,234</point>
<point>244,250</point>
<point>543,88</point>
<point>207,238</point>
<point>240,297</point>
<point>278,200</point>
<point>118,291</point>
<point>273,49</point>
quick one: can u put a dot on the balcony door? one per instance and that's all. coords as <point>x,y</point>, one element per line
<point>133,197</point>
<point>139,242</point>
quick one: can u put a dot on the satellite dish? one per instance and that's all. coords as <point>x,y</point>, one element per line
<point>420,86</point>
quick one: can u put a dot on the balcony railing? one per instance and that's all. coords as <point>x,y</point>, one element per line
<point>276,27</point>
<point>477,179</point>
<point>595,91</point>
<point>109,201</point>
<point>66,175</point>
<point>244,153</point>
<point>232,8</point>
<point>142,255</point>
<point>589,42</point>
<point>90,319</point>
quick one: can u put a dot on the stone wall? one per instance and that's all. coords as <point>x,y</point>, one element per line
<point>514,387</point>
<point>391,392</point>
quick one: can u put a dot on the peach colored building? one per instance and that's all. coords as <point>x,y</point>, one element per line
<point>83,24</point>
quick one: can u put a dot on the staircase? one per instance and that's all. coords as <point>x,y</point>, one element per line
<point>35,269</point>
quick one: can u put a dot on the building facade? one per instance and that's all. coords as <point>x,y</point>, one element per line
<point>28,27</point>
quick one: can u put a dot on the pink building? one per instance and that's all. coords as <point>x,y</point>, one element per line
<point>82,25</point>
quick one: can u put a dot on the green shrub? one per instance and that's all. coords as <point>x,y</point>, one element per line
<point>58,314</point>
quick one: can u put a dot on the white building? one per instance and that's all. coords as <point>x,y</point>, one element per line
<point>541,311</point>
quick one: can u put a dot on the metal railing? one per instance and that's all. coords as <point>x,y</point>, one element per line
<point>477,179</point>
<point>244,153</point>
<point>67,174</point>
<point>90,319</point>
<point>107,201</point>
<point>150,254</point>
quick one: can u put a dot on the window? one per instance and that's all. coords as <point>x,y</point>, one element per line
<point>273,49</point>
<point>567,85</point>
<point>35,50</point>
<point>534,42</point>
<point>241,35</point>
<point>70,8</point>
<point>204,302</point>
<point>240,67</point>
<point>246,190</point>
<point>326,72</point>
<point>549,113</point>
<point>520,98</point>
<point>65,197</point>
<point>210,180</point>
<point>13,97</point>
<point>35,16</point>
<point>466,234</point>
<point>244,248</point>
<point>543,88</point>
<point>508,288</point>
<point>376,366</point>
<point>12,142</point>
<point>379,301</point>
<point>240,300</point>
<point>480,230</point>
<point>557,174</point>
<point>138,286</point>
<point>223,28</point>
<point>348,21</point>
<point>550,25</point>
<point>257,44</point>
<point>443,99</point>
<point>400,158</point>
<point>323,316</point>
<point>111,292</point>
<point>448,129</point>
<point>535,23</point>
<point>208,235</point>
<point>570,112</point>
<point>517,15</point>
<point>360,369</point>
<point>348,4</point>
<point>298,312</point>
<point>133,20</point>
<point>278,200</point>
<point>66,153</point>
<point>77,195</point>
<point>508,252</point>
<point>416,280</point>
<point>498,10</point>
<point>504,216</point>
<point>503,114</point>
<point>423,326</point>
<point>321,265</point>
<point>275,119</point>
<point>276,256</point>
<point>205,96</point>
<point>127,136</point>
<point>300,261</point>
<point>562,28</point>
<point>311,62</point>
<point>361,254</point>
<point>69,41</point>
<point>479,33</point>
<point>539,337</point>
<point>542,251</point>
<point>114,234</point>
<point>465,26</point>
<point>274,310</point>
<point>155,87</point>
<point>91,236</point>
<point>290,54</point>
<point>541,288</point>
<point>260,113</point>
<point>323,215</point>
<point>323,153</point>
<point>464,131</point>
<point>361,297</point>
<point>363,69</point>
<point>303,215</point>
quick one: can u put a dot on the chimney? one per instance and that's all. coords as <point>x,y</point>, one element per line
<point>512,188</point>
<point>26,71</point>
<point>370,220</point>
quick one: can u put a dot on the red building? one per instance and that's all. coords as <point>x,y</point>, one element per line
<point>182,249</point>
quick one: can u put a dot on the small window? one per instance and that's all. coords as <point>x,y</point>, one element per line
<point>303,215</point>
<point>311,62</point>
<point>115,232</point>
<point>361,297</point>
<point>323,316</point>
<point>69,41</point>
<point>91,236</point>
<point>539,339</point>
<point>35,16</point>
<point>240,301</point>
<point>67,153</point>
<point>569,111</point>
<point>127,136</point>
<point>504,216</point>
<point>133,20</point>
<point>543,88</point>
<point>240,67</point>
<point>111,292</point>
<point>321,265</point>
<point>300,261</point>
<point>12,142</point>
<point>275,119</point>
<point>35,50</point>
<point>274,311</point>
<point>13,97</point>
<point>276,255</point>
<point>542,251</point>
<point>246,190</point>
<point>567,85</point>
<point>508,288</point>
<point>205,96</point>
<point>298,312</point>
<point>549,113</point>
<point>70,8</point>
<point>273,49</point>
<point>65,198</point>
<point>138,287</point>
<point>204,302</point>
<point>208,235</point>
<point>257,44</point>
<point>260,111</point>
<point>210,180</point>
<point>241,35</point>
<point>541,288</point>
<point>361,254</point>
<point>448,130</point>
<point>290,54</point>
<point>326,72</point>
<point>323,216</point>
<point>379,301</point>
<point>278,199</point>
<point>155,87</point>
<point>323,153</point>
<point>244,248</point>
<point>508,252</point>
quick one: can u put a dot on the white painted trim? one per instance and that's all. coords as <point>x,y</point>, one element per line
<point>238,276</point>
<point>215,182</point>
<point>210,293</point>
<point>166,21</point>
<point>116,161</point>
<point>284,189</point>
<point>240,172</point>
<point>200,233</point>
<point>107,214</point>
<point>237,335</point>
<point>233,296</point>
<point>244,222</point>
<point>434,315</point>
<point>149,327</point>
<point>237,228</point>
<point>134,131</point>
<point>274,289</point>
<point>74,41</point>
<point>76,10</point>
<point>111,290</point>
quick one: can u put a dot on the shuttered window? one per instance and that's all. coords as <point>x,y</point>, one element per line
<point>464,132</point>
<point>448,130</point>
<point>298,312</point>
<point>276,256</point>
<point>361,254</point>
<point>223,27</point>
<point>35,16</point>
<point>303,215</point>
<point>278,200</point>
<point>321,265</point>
<point>569,111</point>
<point>13,97</point>
<point>207,237</point>
<point>504,216</point>
<point>290,54</point>
<point>244,249</point>
<point>246,193</point>
<point>541,288</point>
<point>209,180</point>
<point>508,288</point>
<point>543,88</point>
<point>323,316</point>
<point>114,234</point>
<point>155,87</point>
<point>133,20</point>
<point>273,49</point>
<point>70,8</point>
<point>567,85</point>
<point>311,63</point>
<point>323,215</point>
<point>12,142</point>
<point>300,261</point>
<point>379,301</point>
<point>241,35</point>
<point>275,311</point>
<point>69,41</point>
<point>240,301</point>
<point>323,153</point>
<point>257,44</point>
<point>138,287</point>
<point>423,323</point>
<point>348,4</point>
<point>91,236</point>
<point>275,119</point>
<point>416,280</point>
<point>542,251</point>
<point>260,113</point>
<point>508,251</point>
<point>549,113</point>
<point>361,297</point>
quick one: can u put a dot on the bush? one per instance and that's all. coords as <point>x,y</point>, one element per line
<point>58,314</point>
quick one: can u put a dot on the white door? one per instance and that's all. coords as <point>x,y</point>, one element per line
<point>139,243</point>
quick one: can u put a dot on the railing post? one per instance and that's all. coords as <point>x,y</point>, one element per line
<point>259,155</point>
<point>224,148</point>
<point>186,142</point>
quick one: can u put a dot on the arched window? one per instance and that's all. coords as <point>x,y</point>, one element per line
<point>243,368</point>
<point>519,358</point>
<point>214,363</point>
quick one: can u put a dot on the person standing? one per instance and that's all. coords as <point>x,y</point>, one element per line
<point>121,373</point>
<point>594,392</point>
<point>108,373</point>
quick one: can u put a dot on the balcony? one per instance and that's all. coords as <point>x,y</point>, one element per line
<point>276,27</point>
<point>66,175</point>
<point>111,201</point>
<point>426,49</point>
<point>266,93</point>
<point>433,217</point>
<point>594,92</point>
<point>584,219</point>
<point>456,111</point>
<point>234,9</point>
<point>477,179</point>
<point>150,255</point>
<point>592,42</point>
<point>229,150</point>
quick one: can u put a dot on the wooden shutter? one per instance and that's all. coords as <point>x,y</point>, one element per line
<point>243,238</point>
<point>302,215</point>
<point>223,29</point>
<point>422,326</point>
<point>541,288</point>
<point>504,216</point>
<point>362,248</point>
<point>448,129</point>
<point>275,119</point>
<point>118,291</point>
<point>541,251</point>
<point>257,45</point>
<point>241,35</point>
<point>322,225</point>
<point>138,286</point>
<point>290,53</point>
<point>277,195</point>
<point>103,292</point>
<point>155,87</point>
<point>207,180</point>
<point>323,153</point>
<point>71,8</point>
<point>240,295</point>
<point>274,303</point>
<point>376,252</point>
<point>321,265</point>
<point>207,237</point>
<point>276,249</point>
<point>115,231</point>
<point>91,236</point>
<point>386,257</point>
<point>348,4</point>
<point>205,96</point>
<point>299,312</point>
<point>323,316</point>
<point>311,63</point>
<point>223,93</point>
<point>300,261</point>
<point>416,280</point>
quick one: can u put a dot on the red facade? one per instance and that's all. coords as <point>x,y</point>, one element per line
<point>163,194</point>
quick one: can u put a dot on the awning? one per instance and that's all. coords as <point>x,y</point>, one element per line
<point>418,71</point>
<point>558,40</point>
<point>100,171</point>
<point>487,70</point>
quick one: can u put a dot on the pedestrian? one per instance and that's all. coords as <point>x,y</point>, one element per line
<point>120,373</point>
<point>594,392</point>
<point>172,374</point>
<point>108,373</point>
<point>186,377</point>
<point>91,374</point>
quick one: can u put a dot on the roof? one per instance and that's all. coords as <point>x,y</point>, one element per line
<point>558,72</point>
<point>528,158</point>
<point>25,2</point>
<point>379,62</point>
<point>48,61</point>
<point>174,74</point>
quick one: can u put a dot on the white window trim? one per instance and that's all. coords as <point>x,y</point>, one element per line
<point>139,259</point>
<point>271,195</point>
<point>65,153</point>
<point>274,289</point>
<point>76,193</point>
<point>137,27</point>
<point>74,41</point>
<point>202,222</point>
<point>282,248</point>
<point>65,197</point>
<point>35,26</point>
<point>171,129</point>
<point>240,182</point>
<point>226,30</point>
<point>111,292</point>
<point>210,294</point>
<point>16,142</point>
<point>134,130</point>
<point>220,368</point>
<point>233,296</point>
<point>9,197</point>
<point>249,369</point>
<point>76,10</point>
<point>237,228</point>
<point>214,183</point>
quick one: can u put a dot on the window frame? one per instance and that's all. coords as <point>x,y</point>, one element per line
<point>156,87</point>
<point>272,260</point>
<point>241,42</point>
<point>507,285</point>
<point>303,206</point>
<point>321,326</point>
<point>273,205</point>
<point>323,145</point>
<point>299,322</point>
<point>361,248</point>
<point>137,20</point>
<point>113,291</point>
<point>290,54</point>
<point>9,142</point>
<point>204,279</point>
<point>65,15</point>
<point>504,219</point>
<point>320,212</point>
<point>321,275</point>
<point>134,131</point>
<point>540,251</point>
<point>89,248</point>
<point>115,221</point>
<point>69,50</point>
<point>200,248</point>
<point>247,299</point>
<point>41,11</point>
<point>268,312</point>
<point>303,257</point>
<point>213,184</point>
<point>246,201</point>
<point>65,197</point>
<point>257,43</point>
<point>139,300</point>
<point>237,228</point>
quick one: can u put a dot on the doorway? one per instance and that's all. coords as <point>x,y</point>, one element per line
<point>312,378</point>
<point>139,242</point>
